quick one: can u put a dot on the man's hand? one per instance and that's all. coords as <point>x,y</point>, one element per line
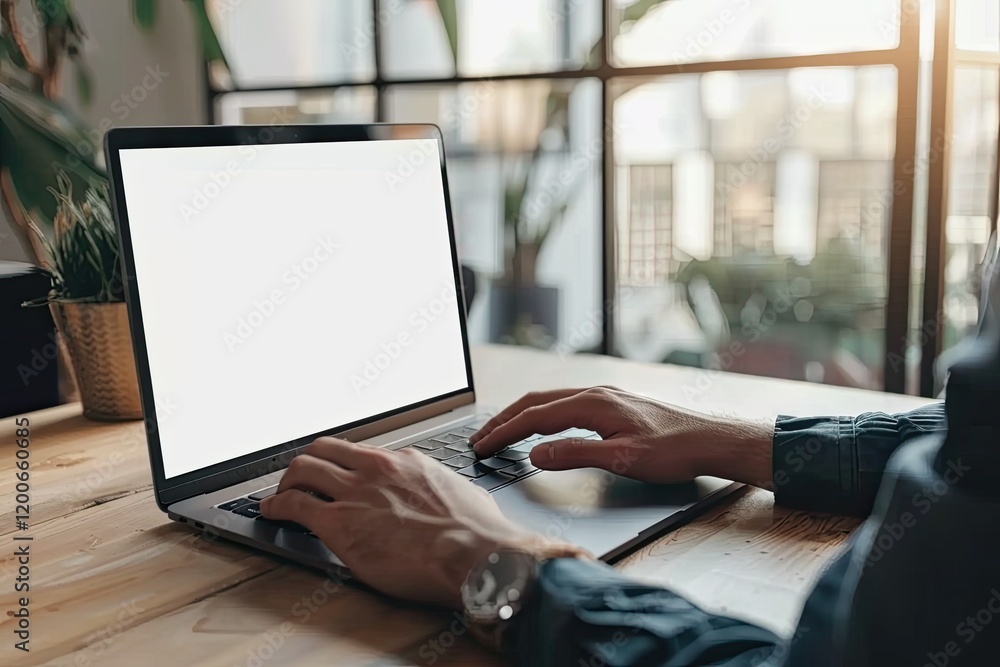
<point>402,522</point>
<point>643,439</point>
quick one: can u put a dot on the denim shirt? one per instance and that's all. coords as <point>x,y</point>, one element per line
<point>913,585</point>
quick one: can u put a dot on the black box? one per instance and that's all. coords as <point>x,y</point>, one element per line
<point>29,371</point>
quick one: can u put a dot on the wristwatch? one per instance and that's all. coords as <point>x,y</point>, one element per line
<point>498,588</point>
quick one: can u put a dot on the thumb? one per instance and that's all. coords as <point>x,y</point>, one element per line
<point>573,453</point>
<point>294,505</point>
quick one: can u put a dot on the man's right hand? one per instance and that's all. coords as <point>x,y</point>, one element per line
<point>642,438</point>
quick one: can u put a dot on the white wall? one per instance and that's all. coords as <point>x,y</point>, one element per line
<point>124,91</point>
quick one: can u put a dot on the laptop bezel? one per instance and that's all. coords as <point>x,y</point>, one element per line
<point>277,457</point>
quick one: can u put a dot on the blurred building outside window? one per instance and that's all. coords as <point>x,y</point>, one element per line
<point>739,157</point>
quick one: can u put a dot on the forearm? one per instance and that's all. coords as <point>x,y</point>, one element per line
<point>587,613</point>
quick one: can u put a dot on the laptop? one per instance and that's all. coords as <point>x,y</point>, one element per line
<point>289,282</point>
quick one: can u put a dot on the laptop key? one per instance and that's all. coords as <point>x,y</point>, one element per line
<point>461,446</point>
<point>492,481</point>
<point>263,493</point>
<point>440,454</point>
<point>427,445</point>
<point>475,470</point>
<point>496,463</point>
<point>251,511</point>
<point>465,431</point>
<point>460,461</point>
<point>520,469</point>
<point>578,433</point>
<point>514,455</point>
<point>233,504</point>
<point>447,438</point>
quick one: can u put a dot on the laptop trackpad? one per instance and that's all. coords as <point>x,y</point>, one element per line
<point>598,510</point>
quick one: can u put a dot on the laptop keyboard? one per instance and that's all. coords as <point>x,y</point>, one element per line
<point>451,449</point>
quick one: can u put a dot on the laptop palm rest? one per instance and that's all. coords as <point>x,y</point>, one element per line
<point>604,513</point>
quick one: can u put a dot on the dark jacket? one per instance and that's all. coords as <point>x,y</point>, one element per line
<point>918,584</point>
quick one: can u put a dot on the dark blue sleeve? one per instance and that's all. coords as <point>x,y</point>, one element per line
<point>835,464</point>
<point>586,613</point>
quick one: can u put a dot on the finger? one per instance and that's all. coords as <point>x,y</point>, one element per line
<point>349,455</point>
<point>579,453</point>
<point>551,417</point>
<point>529,400</point>
<point>294,505</point>
<point>310,473</point>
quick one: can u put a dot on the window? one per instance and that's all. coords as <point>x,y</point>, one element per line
<point>715,175</point>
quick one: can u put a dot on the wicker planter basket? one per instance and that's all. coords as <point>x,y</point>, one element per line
<point>100,345</point>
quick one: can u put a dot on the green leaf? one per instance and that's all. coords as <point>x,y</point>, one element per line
<point>9,50</point>
<point>84,84</point>
<point>210,44</point>
<point>449,16</point>
<point>54,12</point>
<point>637,10</point>
<point>84,255</point>
<point>37,138</point>
<point>144,13</point>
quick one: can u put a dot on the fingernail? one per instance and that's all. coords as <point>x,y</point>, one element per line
<point>549,449</point>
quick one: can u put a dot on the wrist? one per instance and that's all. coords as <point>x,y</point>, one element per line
<point>459,551</point>
<point>740,450</point>
<point>499,588</point>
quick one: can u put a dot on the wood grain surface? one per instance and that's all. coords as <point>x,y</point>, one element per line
<point>115,583</point>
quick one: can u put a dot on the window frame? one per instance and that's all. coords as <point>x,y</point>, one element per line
<point>905,58</point>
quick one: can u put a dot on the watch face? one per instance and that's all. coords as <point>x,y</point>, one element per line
<point>494,591</point>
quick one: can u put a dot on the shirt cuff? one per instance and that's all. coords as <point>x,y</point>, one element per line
<point>814,463</point>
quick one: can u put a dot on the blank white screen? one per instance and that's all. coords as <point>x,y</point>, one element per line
<point>288,289</point>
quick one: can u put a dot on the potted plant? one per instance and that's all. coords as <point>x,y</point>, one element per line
<point>535,198</point>
<point>87,302</point>
<point>523,311</point>
<point>43,144</point>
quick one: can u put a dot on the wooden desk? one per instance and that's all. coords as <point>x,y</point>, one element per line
<point>114,582</point>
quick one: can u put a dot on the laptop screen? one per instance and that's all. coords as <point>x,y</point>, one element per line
<point>289,289</point>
